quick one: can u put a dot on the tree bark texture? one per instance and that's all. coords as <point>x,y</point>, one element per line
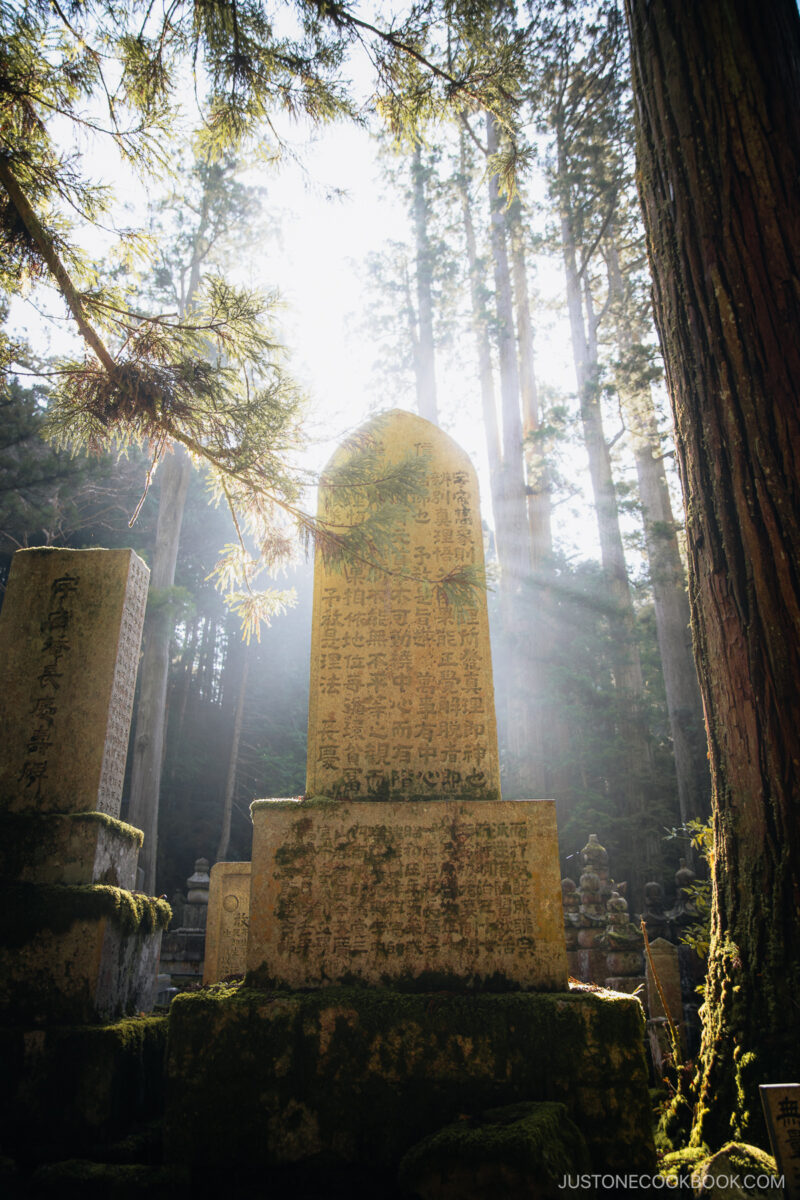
<point>148,737</point>
<point>717,89</point>
<point>424,352</point>
<point>480,326</point>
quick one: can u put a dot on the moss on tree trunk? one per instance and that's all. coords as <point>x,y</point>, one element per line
<point>717,90</point>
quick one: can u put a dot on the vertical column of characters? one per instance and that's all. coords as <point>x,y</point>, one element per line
<point>115,750</point>
<point>55,651</point>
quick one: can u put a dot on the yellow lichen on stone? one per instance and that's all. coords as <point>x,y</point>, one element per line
<point>69,648</point>
<point>415,894</point>
<point>401,702</point>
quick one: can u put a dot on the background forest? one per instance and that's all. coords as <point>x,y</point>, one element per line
<point>508,300</point>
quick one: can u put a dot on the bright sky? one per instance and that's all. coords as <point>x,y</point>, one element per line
<point>317,264</point>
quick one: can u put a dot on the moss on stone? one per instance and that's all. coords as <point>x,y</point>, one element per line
<point>537,1141</point>
<point>69,1089</point>
<point>742,1157</point>
<point>120,828</point>
<point>681,1164</point>
<point>26,909</point>
<point>27,838</point>
<point>269,1077</point>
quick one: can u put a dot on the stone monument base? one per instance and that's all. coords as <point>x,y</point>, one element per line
<point>362,1075</point>
<point>409,894</point>
<point>76,955</point>
<point>77,848</point>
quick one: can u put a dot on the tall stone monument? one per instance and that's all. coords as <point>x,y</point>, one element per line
<point>75,944</point>
<point>401,871</point>
<point>402,864</point>
<point>401,701</point>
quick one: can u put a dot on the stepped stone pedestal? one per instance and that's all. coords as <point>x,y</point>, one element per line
<point>75,945</point>
<point>399,883</point>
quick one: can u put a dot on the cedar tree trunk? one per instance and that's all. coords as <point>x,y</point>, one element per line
<point>424,356</point>
<point>148,737</point>
<point>717,89</point>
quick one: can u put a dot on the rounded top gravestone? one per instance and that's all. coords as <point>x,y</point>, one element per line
<point>402,700</point>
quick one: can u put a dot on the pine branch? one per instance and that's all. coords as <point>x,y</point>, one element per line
<point>47,250</point>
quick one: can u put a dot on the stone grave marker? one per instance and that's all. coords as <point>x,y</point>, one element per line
<point>402,866</point>
<point>781,1104</point>
<point>70,630</point>
<point>69,650</point>
<point>401,701</point>
<point>228,920</point>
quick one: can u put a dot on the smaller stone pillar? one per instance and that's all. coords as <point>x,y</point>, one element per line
<point>228,921</point>
<point>77,945</point>
<point>195,911</point>
<point>591,929</point>
<point>665,966</point>
<point>653,912</point>
<point>685,911</point>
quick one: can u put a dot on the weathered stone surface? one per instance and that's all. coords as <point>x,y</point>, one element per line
<point>664,958</point>
<point>228,921</point>
<point>520,1150</point>
<point>406,893</point>
<point>68,848</point>
<point>69,643</point>
<point>401,702</point>
<point>68,1089</point>
<point>182,955</point>
<point>781,1104</point>
<point>76,954</point>
<point>625,983</point>
<point>362,1074</point>
<point>738,1171</point>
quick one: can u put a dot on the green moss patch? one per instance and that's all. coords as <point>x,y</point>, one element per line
<point>26,909</point>
<point>268,1078</point>
<point>524,1147</point>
